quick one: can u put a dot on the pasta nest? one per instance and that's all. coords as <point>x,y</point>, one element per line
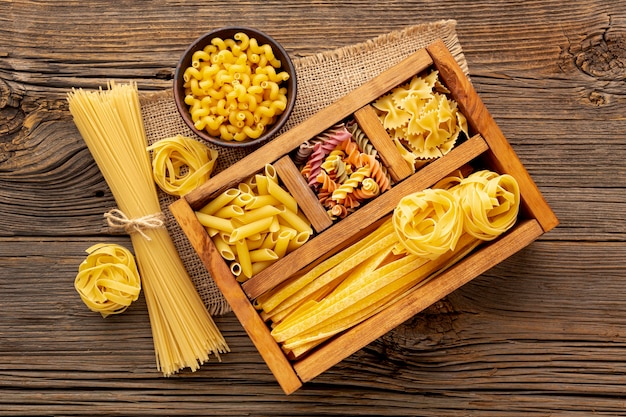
<point>428,223</point>
<point>108,279</point>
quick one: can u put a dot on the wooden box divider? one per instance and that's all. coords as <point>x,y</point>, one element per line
<point>370,125</point>
<point>486,148</point>
<point>295,183</point>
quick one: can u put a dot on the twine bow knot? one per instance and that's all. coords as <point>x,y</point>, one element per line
<point>118,220</point>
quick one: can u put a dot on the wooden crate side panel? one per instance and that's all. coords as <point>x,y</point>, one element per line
<point>347,343</point>
<point>246,313</point>
<point>479,118</point>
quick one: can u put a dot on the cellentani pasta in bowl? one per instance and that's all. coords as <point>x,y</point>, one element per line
<point>235,86</point>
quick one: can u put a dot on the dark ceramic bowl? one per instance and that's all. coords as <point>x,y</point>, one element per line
<point>229,33</point>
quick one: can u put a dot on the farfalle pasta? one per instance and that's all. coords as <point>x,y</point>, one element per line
<point>421,119</point>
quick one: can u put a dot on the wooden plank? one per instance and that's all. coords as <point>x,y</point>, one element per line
<point>299,189</point>
<point>481,121</point>
<point>228,285</point>
<point>370,124</point>
<point>344,345</point>
<point>316,124</point>
<point>320,245</point>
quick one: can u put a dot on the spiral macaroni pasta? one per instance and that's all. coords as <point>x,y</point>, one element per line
<point>342,171</point>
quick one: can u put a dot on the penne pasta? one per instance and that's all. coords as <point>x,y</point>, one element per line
<point>246,230</point>
<point>215,222</point>
<point>243,257</point>
<point>229,211</point>
<point>291,218</point>
<point>283,196</point>
<point>262,255</point>
<point>223,247</point>
<point>253,216</point>
<point>220,201</point>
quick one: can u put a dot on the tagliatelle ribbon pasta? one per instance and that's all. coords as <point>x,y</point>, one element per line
<point>489,202</point>
<point>428,232</point>
<point>428,223</point>
<point>108,280</point>
<point>181,164</point>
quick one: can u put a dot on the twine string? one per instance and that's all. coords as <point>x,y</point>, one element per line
<point>118,220</point>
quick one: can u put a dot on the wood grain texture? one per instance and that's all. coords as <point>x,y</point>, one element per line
<point>372,128</point>
<point>543,333</point>
<point>297,186</point>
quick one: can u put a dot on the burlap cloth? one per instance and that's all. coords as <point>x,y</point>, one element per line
<point>322,79</point>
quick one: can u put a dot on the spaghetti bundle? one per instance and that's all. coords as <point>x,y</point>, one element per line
<point>110,122</point>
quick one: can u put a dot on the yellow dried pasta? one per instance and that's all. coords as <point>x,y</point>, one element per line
<point>421,118</point>
<point>255,224</point>
<point>181,164</point>
<point>427,233</point>
<point>111,125</point>
<point>489,202</point>
<point>233,88</point>
<point>108,279</point>
<point>428,223</point>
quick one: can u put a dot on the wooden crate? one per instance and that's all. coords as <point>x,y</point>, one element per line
<point>487,145</point>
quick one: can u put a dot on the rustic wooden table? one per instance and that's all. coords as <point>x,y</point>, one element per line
<point>543,333</point>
